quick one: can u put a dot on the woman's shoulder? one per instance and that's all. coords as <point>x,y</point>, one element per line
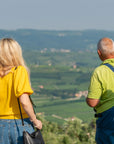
<point>19,69</point>
<point>20,72</point>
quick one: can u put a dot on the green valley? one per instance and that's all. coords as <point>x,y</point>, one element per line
<point>60,82</point>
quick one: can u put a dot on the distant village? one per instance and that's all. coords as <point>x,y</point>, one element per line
<point>81,93</point>
<point>77,95</point>
<point>55,50</point>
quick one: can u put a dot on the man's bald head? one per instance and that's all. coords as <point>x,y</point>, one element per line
<point>106,47</point>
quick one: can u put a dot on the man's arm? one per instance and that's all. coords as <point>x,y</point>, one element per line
<point>92,102</point>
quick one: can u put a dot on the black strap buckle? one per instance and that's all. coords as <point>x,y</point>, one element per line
<point>98,115</point>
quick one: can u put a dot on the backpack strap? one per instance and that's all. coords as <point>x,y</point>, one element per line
<point>110,66</point>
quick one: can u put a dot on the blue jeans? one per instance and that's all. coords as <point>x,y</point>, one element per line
<point>11,130</point>
<point>105,127</point>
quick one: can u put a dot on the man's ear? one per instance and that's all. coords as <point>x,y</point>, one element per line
<point>99,53</point>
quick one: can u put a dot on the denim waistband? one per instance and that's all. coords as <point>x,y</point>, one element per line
<point>101,114</point>
<point>15,121</point>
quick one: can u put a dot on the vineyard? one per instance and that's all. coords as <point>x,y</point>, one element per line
<point>60,90</point>
<point>55,90</point>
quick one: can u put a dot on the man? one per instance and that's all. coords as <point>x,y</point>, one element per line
<point>101,92</point>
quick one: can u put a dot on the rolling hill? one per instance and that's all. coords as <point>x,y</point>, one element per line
<point>70,40</point>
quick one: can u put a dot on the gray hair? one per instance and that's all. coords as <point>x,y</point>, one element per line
<point>106,46</point>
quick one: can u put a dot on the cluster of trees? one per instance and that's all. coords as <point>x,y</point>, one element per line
<point>72,132</point>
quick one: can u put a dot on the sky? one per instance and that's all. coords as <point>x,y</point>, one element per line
<point>57,14</point>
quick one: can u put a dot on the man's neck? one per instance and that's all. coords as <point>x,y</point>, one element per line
<point>111,57</point>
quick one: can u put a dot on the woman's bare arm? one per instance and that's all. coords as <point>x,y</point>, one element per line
<point>28,108</point>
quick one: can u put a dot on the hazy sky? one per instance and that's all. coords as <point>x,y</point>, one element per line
<point>57,14</point>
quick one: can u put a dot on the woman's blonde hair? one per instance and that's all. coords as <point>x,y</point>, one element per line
<point>10,55</point>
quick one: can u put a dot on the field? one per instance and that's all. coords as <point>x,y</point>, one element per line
<point>55,89</point>
<point>64,110</point>
<point>57,78</point>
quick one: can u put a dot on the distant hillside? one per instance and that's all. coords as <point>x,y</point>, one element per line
<point>56,40</point>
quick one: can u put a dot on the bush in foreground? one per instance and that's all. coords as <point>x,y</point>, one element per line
<point>72,132</point>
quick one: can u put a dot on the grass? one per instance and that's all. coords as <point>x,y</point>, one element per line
<point>59,84</point>
<point>64,109</point>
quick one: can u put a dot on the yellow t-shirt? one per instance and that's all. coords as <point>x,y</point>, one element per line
<point>13,85</point>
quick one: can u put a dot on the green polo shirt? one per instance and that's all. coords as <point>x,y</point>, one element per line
<point>102,86</point>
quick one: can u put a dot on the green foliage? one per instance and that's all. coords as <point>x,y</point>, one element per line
<point>72,132</point>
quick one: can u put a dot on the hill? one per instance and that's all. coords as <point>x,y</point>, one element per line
<point>57,40</point>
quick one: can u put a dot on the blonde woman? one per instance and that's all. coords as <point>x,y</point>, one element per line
<point>14,83</point>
